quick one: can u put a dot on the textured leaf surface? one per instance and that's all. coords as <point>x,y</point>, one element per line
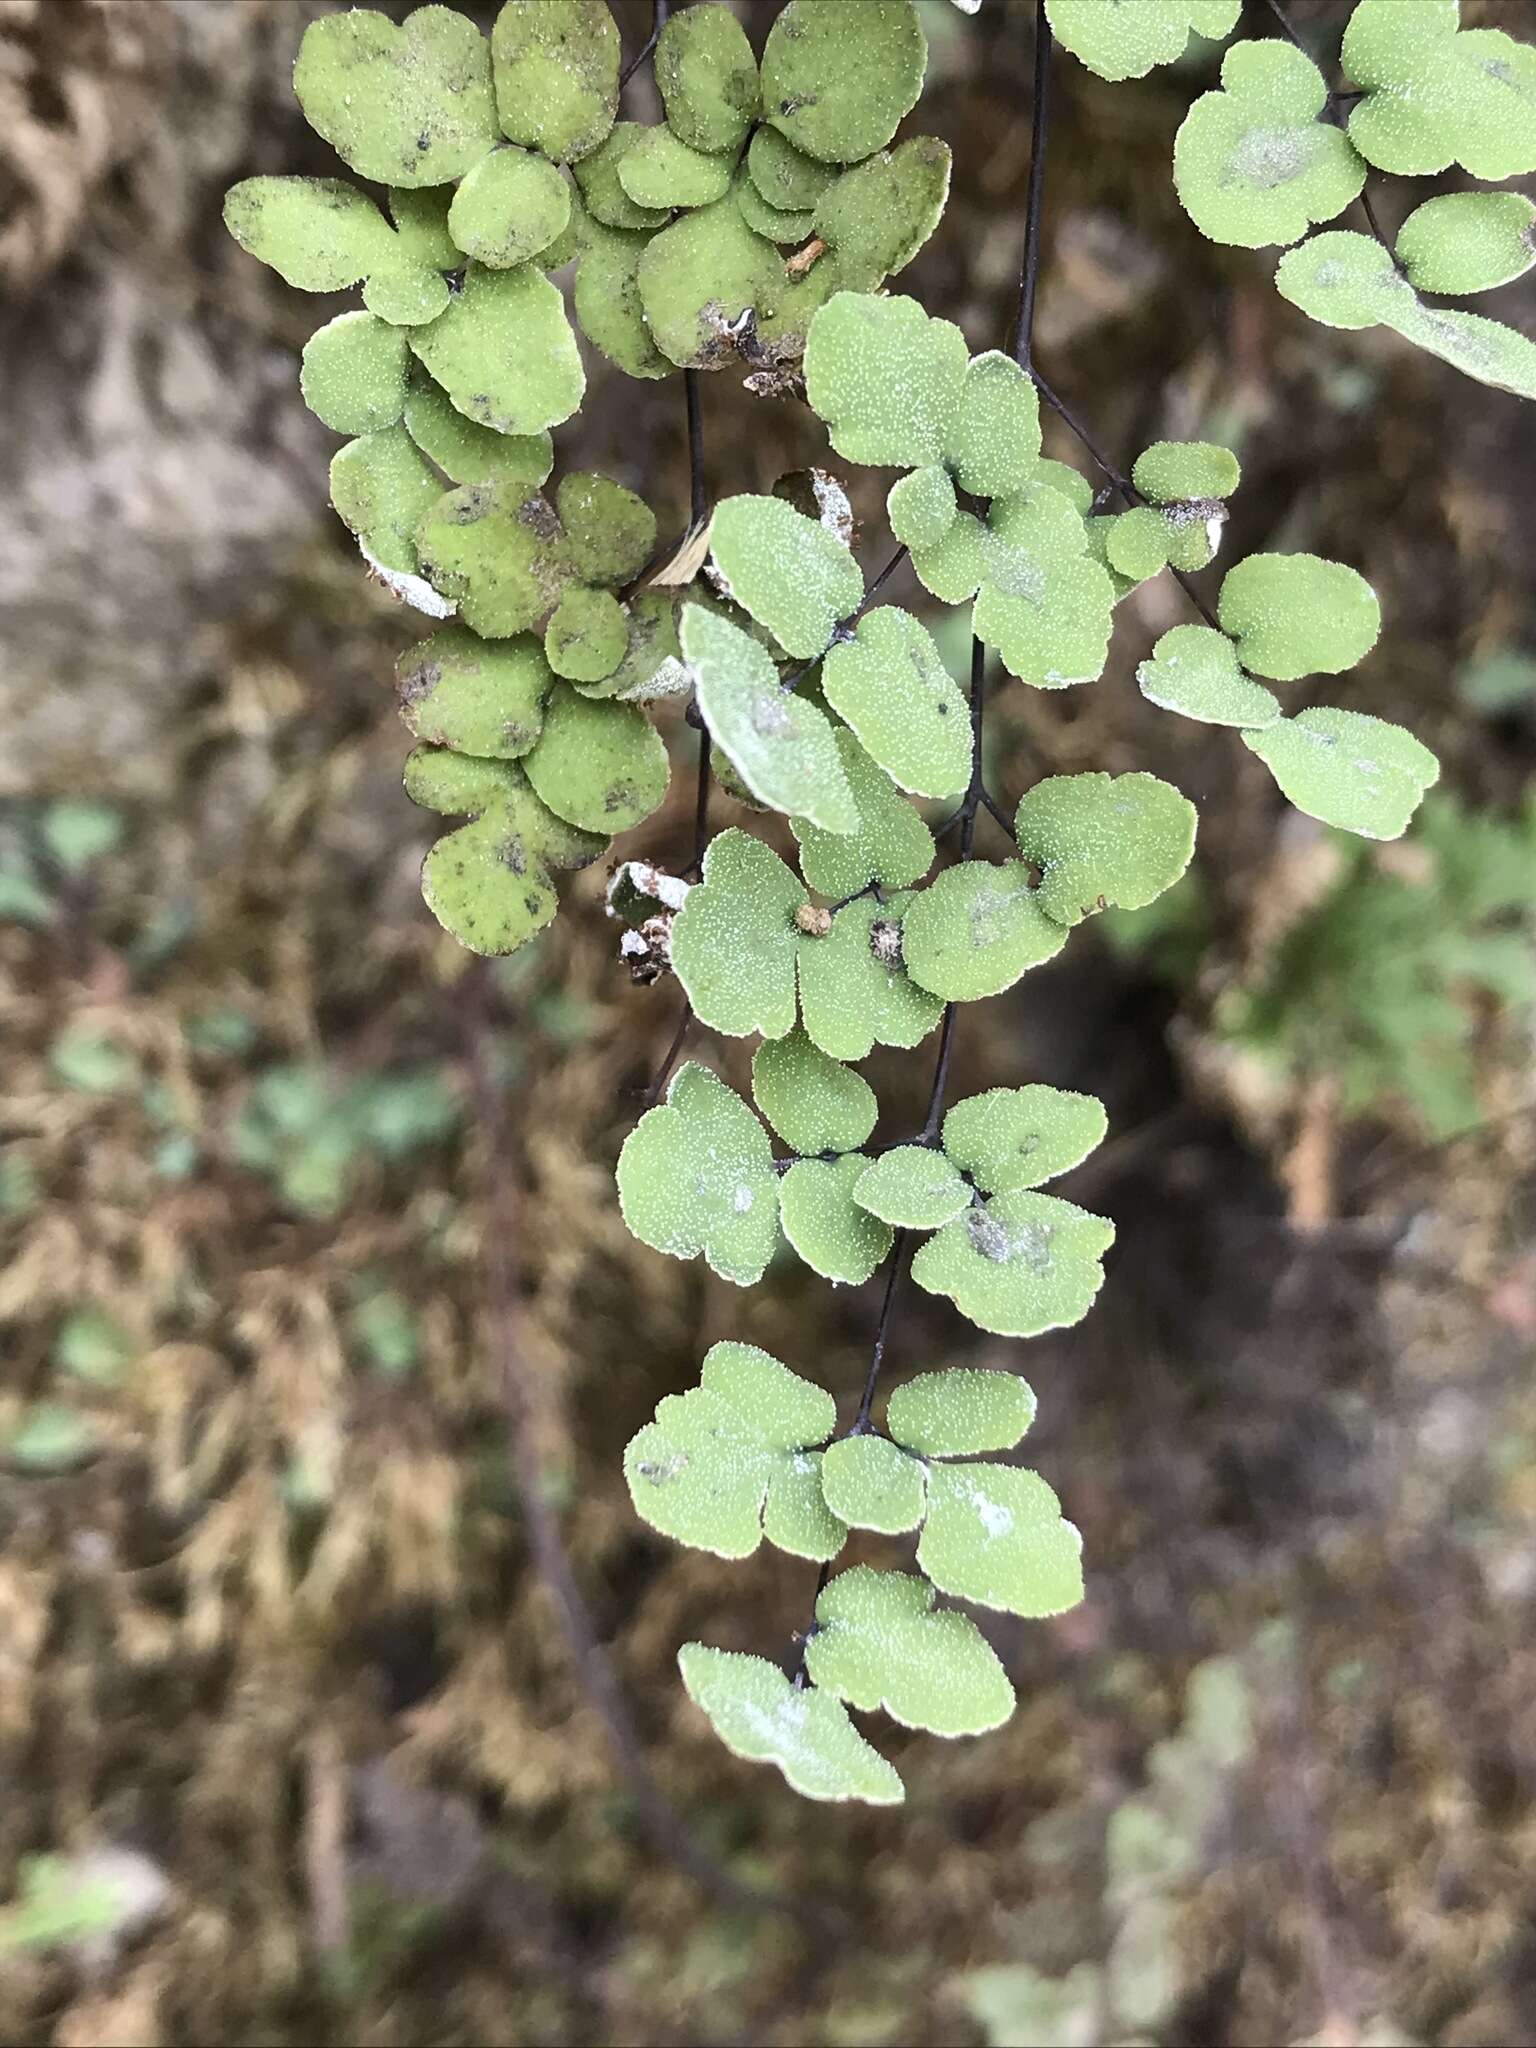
<point>1298,615</point>
<point>1019,1264</point>
<point>611,530</point>
<point>955,1414</point>
<point>789,572</point>
<point>489,882</point>
<point>829,1230</point>
<point>1349,769</point>
<point>913,1186</point>
<point>994,437</point>
<point>1126,38</point>
<point>597,179</point>
<point>608,303</point>
<point>421,222</point>
<point>839,75</point>
<point>854,991</point>
<point>479,697</point>
<point>786,177</point>
<point>767,220</point>
<point>1171,471</point>
<point>955,567</point>
<point>891,846</point>
<point>601,766</point>
<point>652,666</point>
<point>504,351</point>
<point>708,77</point>
<point>1468,241</point>
<point>586,638</point>
<point>1012,1138</point>
<point>885,377</point>
<point>815,1103</point>
<point>512,205</point>
<point>470,454</point>
<point>1436,95</point>
<point>758,1714</point>
<point>1046,606</point>
<point>1104,841</point>
<point>502,557</point>
<point>697,279</point>
<point>890,683</point>
<point>996,1536</point>
<point>661,171</point>
<point>318,234</point>
<point>557,74</point>
<point>879,214</point>
<point>976,929</point>
<point>382,487</point>
<point>1194,670</point>
<point>408,105</point>
<point>696,1177</point>
<point>870,1484</point>
<point>879,1643</point>
<point>408,295</point>
<point>921,506</point>
<point>701,1472</point>
<point>1253,163</point>
<point>353,374</point>
<point>734,940</point>
<point>781,746</point>
<point>796,1517</point>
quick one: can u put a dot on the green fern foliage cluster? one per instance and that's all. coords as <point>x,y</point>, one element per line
<point>756,225</point>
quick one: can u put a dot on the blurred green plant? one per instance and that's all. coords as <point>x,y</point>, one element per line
<point>310,1134</point>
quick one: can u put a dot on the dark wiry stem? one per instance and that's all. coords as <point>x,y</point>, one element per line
<point>699,497</point>
<point>1039,137</point>
<point>1334,112</point>
<point>840,631</point>
<point>659,11</point>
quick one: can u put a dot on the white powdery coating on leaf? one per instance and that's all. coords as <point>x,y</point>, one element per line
<point>413,590</point>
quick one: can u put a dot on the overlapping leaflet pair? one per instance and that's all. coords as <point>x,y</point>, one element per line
<point>746,1454</point>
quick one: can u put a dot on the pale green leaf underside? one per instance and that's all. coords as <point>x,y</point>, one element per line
<point>758,1714</point>
<point>1046,605</point>
<point>1194,670</point>
<point>892,845</point>
<point>1127,38</point>
<point>870,1484</point>
<point>814,1102</point>
<point>734,940</point>
<point>408,105</point>
<point>1436,95</point>
<point>318,234</point>
<point>976,930</point>
<point>957,1413</point>
<point>834,1236</point>
<point>885,377</point>
<point>1104,841</point>
<point>914,1187</point>
<point>1298,615</point>
<point>708,77</point>
<point>1348,769</point>
<point>557,74</point>
<point>354,374</point>
<point>787,571</point>
<point>1018,1264</point>
<point>890,683</point>
<point>696,1176</point>
<point>1011,1138</point>
<point>879,1643</point>
<point>996,1536</point>
<point>1468,241</point>
<point>504,351</point>
<point>602,766</point>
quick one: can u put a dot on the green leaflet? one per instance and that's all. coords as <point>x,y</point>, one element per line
<point>890,683</point>
<point>914,1186</point>
<point>1172,471</point>
<point>512,205</point>
<point>996,1536</point>
<point>501,556</point>
<point>556,65</point>
<point>608,305</point>
<point>587,635</point>
<point>1195,670</point>
<point>477,696</point>
<point>705,1470</point>
<point>993,441</point>
<point>869,1483</point>
<point>878,1643</point>
<point>469,454</point>
<point>735,940</point>
<point>787,571</point>
<point>814,1103</point>
<point>612,532</point>
<point>421,223</point>
<point>1126,39</point>
<point>1046,606</point>
<point>700,278</point>
<point>1349,769</point>
<point>827,1227</point>
<point>891,846</point>
<point>318,234</point>
<point>696,1177</point>
<point>855,992</point>
<point>408,296</point>
<point>660,172</point>
<point>354,372</point>
<point>885,377</point>
<point>921,506</point>
<point>781,745</point>
<point>1103,841</point>
<point>407,106</point>
<point>601,766</point>
<point>786,179</point>
<point>1437,95</point>
<point>766,220</point>
<point>881,212</point>
<point>597,179</point>
<point>839,75</point>
<point>1468,241</point>
<point>1298,615</point>
<point>1018,1264</point>
<point>381,488</point>
<point>504,351</point>
<point>758,1714</point>
<point>707,76</point>
<point>1347,280</point>
<point>957,1413</point>
<point>1013,1138</point>
<point>1253,163</point>
<point>976,929</point>
<point>489,882</point>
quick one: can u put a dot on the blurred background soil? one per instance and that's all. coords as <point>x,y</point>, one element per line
<point>292,1748</point>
